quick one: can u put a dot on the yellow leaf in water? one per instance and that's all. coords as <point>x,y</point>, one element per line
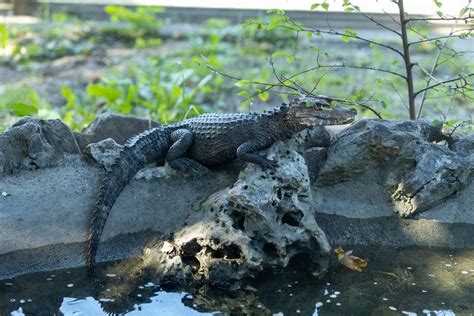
<point>349,261</point>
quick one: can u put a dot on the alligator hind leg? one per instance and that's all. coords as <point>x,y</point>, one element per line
<point>182,140</point>
<point>247,152</point>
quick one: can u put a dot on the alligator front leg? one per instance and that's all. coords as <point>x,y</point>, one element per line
<point>182,140</point>
<point>247,152</point>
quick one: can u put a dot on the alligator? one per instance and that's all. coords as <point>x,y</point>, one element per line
<point>194,144</point>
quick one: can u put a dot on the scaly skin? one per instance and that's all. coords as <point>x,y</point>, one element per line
<point>205,141</point>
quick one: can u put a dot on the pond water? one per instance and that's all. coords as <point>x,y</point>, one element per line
<point>410,281</point>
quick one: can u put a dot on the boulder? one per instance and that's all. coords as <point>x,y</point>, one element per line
<point>118,127</point>
<point>33,143</point>
<point>417,172</point>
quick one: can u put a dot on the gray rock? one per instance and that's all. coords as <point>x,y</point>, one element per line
<point>316,136</point>
<point>315,159</point>
<point>115,126</point>
<point>35,143</point>
<point>416,172</point>
<point>104,152</point>
<point>264,220</point>
<point>464,146</point>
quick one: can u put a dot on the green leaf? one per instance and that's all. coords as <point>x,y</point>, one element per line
<point>3,35</point>
<point>22,109</point>
<point>290,59</point>
<point>438,3</point>
<point>452,122</point>
<point>278,54</point>
<point>245,104</point>
<point>264,96</point>
<point>242,83</point>
<point>244,94</point>
<point>346,38</point>
<point>439,13</point>
<point>111,94</point>
<point>437,123</point>
<point>325,5</point>
<point>314,6</point>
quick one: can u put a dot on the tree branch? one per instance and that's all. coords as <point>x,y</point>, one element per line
<point>467,18</point>
<point>380,24</point>
<point>463,78</point>
<point>451,35</point>
<point>333,32</point>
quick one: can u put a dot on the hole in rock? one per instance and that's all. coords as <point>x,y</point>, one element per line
<point>239,220</point>
<point>191,261</point>
<point>292,218</point>
<point>279,194</point>
<point>191,248</point>
<point>231,251</point>
<point>270,250</point>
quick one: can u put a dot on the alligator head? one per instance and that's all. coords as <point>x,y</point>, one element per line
<point>310,111</point>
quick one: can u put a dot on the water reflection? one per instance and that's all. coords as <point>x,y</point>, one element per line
<point>162,303</point>
<point>397,282</point>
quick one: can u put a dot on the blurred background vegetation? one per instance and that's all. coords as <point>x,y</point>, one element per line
<point>139,64</point>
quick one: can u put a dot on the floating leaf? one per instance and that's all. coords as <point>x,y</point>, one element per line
<point>314,6</point>
<point>349,261</point>
<point>325,5</point>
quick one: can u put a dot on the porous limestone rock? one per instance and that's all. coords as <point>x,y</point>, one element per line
<point>416,171</point>
<point>265,220</point>
<point>33,143</point>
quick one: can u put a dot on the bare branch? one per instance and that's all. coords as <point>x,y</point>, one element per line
<point>331,31</point>
<point>391,17</point>
<point>365,68</point>
<point>451,18</point>
<point>380,24</point>
<point>451,35</point>
<point>460,78</point>
<point>430,76</point>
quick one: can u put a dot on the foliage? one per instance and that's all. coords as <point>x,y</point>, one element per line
<point>3,35</point>
<point>161,89</point>
<point>220,66</point>
<point>142,24</point>
<point>414,82</point>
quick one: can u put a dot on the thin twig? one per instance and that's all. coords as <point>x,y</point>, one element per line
<point>380,24</point>
<point>451,35</point>
<point>430,76</point>
<point>453,18</point>
<point>463,78</point>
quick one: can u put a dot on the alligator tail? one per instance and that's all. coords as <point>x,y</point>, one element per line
<point>140,150</point>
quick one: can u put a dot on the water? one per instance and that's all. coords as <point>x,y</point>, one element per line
<point>397,282</point>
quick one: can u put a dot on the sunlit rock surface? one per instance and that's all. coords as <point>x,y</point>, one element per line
<point>264,220</point>
<point>416,172</point>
